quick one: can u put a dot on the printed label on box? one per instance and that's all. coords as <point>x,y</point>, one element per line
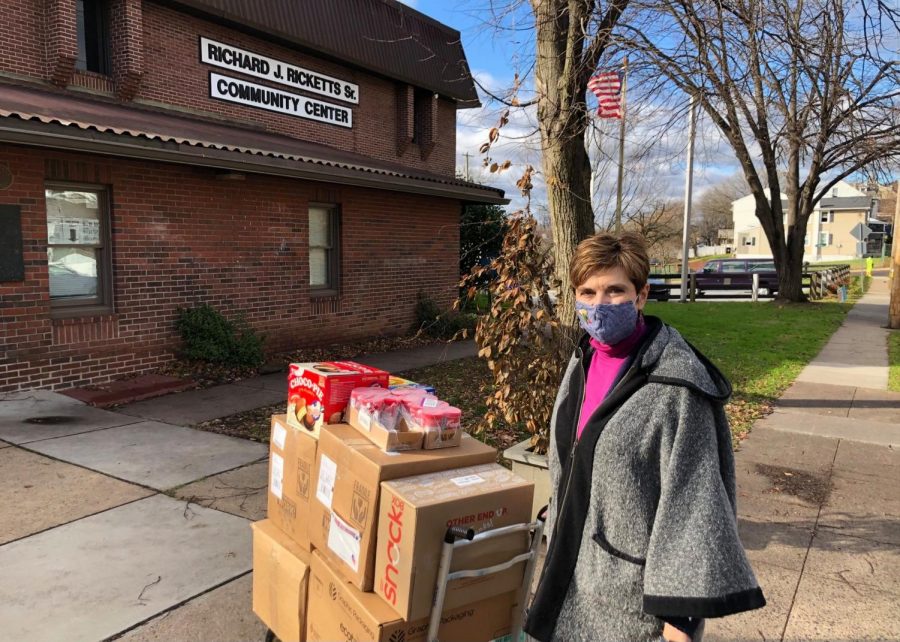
<point>325,485</point>
<point>467,480</point>
<point>344,540</point>
<point>277,475</point>
<point>365,420</point>
<point>279,434</point>
<point>430,402</point>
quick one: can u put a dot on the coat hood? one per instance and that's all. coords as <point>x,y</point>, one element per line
<point>670,358</point>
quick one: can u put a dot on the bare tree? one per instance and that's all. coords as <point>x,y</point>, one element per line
<point>805,92</point>
<point>659,222</point>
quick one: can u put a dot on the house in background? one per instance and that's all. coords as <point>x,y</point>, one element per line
<point>829,228</point>
<point>290,161</point>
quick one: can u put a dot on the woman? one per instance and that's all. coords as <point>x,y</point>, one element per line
<point>642,527</point>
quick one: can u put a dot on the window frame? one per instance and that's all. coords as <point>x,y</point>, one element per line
<point>101,29</point>
<point>333,287</point>
<point>102,302</point>
<point>421,109</point>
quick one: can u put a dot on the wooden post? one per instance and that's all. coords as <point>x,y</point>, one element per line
<point>693,282</point>
<point>894,309</point>
<point>754,293</point>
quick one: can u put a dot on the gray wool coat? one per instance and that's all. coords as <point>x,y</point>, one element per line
<point>642,525</point>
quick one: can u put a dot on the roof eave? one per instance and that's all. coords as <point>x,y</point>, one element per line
<point>61,137</point>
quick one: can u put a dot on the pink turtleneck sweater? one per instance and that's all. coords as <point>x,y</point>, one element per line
<point>604,369</point>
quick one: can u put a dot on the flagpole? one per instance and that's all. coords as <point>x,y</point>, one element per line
<point>621,147</point>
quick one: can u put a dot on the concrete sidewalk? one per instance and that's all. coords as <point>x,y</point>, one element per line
<point>818,500</point>
<point>196,406</point>
<point>131,525</point>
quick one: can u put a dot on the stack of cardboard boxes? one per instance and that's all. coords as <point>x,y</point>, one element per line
<point>352,543</point>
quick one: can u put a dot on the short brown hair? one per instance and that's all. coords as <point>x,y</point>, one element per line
<point>604,251</point>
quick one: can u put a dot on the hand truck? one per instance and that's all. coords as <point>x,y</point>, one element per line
<point>459,537</point>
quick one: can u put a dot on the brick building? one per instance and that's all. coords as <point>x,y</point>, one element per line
<point>291,160</point>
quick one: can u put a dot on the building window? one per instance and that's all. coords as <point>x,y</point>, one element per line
<point>748,240</point>
<point>78,256</point>
<point>324,246</point>
<point>93,36</point>
<point>825,239</point>
<point>826,217</point>
<point>421,113</point>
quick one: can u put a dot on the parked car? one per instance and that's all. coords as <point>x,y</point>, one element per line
<point>737,274</point>
<point>659,290</point>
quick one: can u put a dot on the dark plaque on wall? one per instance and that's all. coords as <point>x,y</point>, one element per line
<point>12,265</point>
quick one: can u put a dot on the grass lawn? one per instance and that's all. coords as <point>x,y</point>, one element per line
<point>760,347</point>
<point>894,360</point>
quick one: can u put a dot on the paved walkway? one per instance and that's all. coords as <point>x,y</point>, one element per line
<point>131,525</point>
<point>818,500</point>
<point>196,406</point>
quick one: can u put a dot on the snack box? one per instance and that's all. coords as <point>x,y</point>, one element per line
<point>343,612</point>
<point>397,383</point>
<point>346,489</point>
<point>414,515</point>
<point>394,439</point>
<point>404,419</point>
<point>318,392</point>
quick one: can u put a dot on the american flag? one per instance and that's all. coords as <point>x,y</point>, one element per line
<point>607,86</point>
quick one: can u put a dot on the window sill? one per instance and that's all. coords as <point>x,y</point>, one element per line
<point>81,313</point>
<point>323,294</point>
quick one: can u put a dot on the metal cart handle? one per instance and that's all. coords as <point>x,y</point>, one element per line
<point>458,532</point>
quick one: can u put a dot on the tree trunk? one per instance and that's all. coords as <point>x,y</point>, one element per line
<point>567,173</point>
<point>561,82</point>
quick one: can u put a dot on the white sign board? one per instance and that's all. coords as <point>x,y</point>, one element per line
<point>237,59</point>
<point>244,92</point>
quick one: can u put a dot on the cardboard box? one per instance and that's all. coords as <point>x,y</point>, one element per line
<point>292,461</point>
<point>388,440</point>
<point>414,516</point>
<point>446,438</point>
<point>347,483</point>
<point>280,582</point>
<point>345,613</point>
<point>318,392</point>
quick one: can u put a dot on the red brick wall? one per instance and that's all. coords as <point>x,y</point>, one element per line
<point>181,237</point>
<point>23,48</point>
<point>174,77</point>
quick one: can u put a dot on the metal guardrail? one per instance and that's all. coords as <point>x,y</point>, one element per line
<point>827,281</point>
<point>816,283</point>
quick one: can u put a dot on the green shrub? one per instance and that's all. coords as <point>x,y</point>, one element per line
<point>438,323</point>
<point>209,336</point>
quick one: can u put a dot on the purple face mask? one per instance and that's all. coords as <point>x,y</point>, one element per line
<point>608,323</point>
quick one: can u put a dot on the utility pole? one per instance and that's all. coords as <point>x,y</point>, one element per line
<point>894,309</point>
<point>688,196</point>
